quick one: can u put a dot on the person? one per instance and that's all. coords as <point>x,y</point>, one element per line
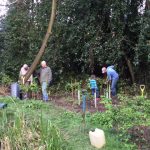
<point>113,77</point>
<point>24,69</point>
<point>45,79</point>
<point>93,86</point>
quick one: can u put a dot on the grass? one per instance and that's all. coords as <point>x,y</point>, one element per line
<point>40,116</point>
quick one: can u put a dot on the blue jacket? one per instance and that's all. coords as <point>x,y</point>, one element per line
<point>111,73</point>
<point>93,84</point>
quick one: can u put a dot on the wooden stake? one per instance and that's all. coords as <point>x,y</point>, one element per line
<point>95,99</point>
<point>79,98</point>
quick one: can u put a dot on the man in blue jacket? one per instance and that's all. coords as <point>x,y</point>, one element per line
<point>113,77</point>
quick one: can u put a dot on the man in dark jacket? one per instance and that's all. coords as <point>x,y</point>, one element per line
<point>45,79</point>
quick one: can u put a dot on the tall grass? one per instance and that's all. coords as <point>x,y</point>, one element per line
<point>32,125</point>
<point>19,132</point>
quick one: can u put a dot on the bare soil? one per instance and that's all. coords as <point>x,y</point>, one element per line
<point>71,104</point>
<point>68,101</point>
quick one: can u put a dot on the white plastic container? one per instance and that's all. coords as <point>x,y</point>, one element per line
<point>97,138</point>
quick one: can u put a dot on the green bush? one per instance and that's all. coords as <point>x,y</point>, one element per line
<point>5,79</point>
<point>131,112</point>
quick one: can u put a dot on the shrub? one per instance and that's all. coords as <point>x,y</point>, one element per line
<point>125,116</point>
<point>141,136</point>
<point>5,80</point>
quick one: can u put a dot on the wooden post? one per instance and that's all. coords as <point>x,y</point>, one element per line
<point>109,91</point>
<point>95,102</point>
<point>79,98</point>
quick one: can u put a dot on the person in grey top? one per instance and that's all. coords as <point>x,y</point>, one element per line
<point>45,79</point>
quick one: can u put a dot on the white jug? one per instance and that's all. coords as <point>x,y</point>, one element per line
<point>97,138</point>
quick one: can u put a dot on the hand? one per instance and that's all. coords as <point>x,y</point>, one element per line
<point>108,82</point>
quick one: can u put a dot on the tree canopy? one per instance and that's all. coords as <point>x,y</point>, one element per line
<point>87,35</point>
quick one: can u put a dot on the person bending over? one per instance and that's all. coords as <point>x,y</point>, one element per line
<point>113,78</point>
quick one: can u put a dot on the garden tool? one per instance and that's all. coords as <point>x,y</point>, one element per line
<point>142,88</point>
<point>79,98</point>
<point>84,95</point>
<point>84,100</point>
<point>23,78</point>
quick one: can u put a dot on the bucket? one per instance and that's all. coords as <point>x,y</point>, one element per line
<point>15,90</point>
<point>97,138</point>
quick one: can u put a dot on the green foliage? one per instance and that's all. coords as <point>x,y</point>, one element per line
<point>71,86</point>
<point>130,113</point>
<point>68,114</point>
<point>37,120</point>
<point>35,105</point>
<point>143,47</point>
<point>34,87</point>
<point>5,79</point>
<point>19,132</point>
<point>50,135</point>
<point>24,88</point>
<point>104,119</point>
<point>85,34</point>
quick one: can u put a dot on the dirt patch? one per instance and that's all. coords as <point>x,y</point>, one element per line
<point>4,91</point>
<point>72,104</point>
<point>141,136</point>
<point>66,101</point>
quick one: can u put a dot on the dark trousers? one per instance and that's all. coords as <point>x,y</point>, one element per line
<point>97,92</point>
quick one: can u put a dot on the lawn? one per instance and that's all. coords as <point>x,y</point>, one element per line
<point>73,133</point>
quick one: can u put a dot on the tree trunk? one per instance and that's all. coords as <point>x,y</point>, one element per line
<point>130,68</point>
<point>147,4</point>
<point>44,43</point>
